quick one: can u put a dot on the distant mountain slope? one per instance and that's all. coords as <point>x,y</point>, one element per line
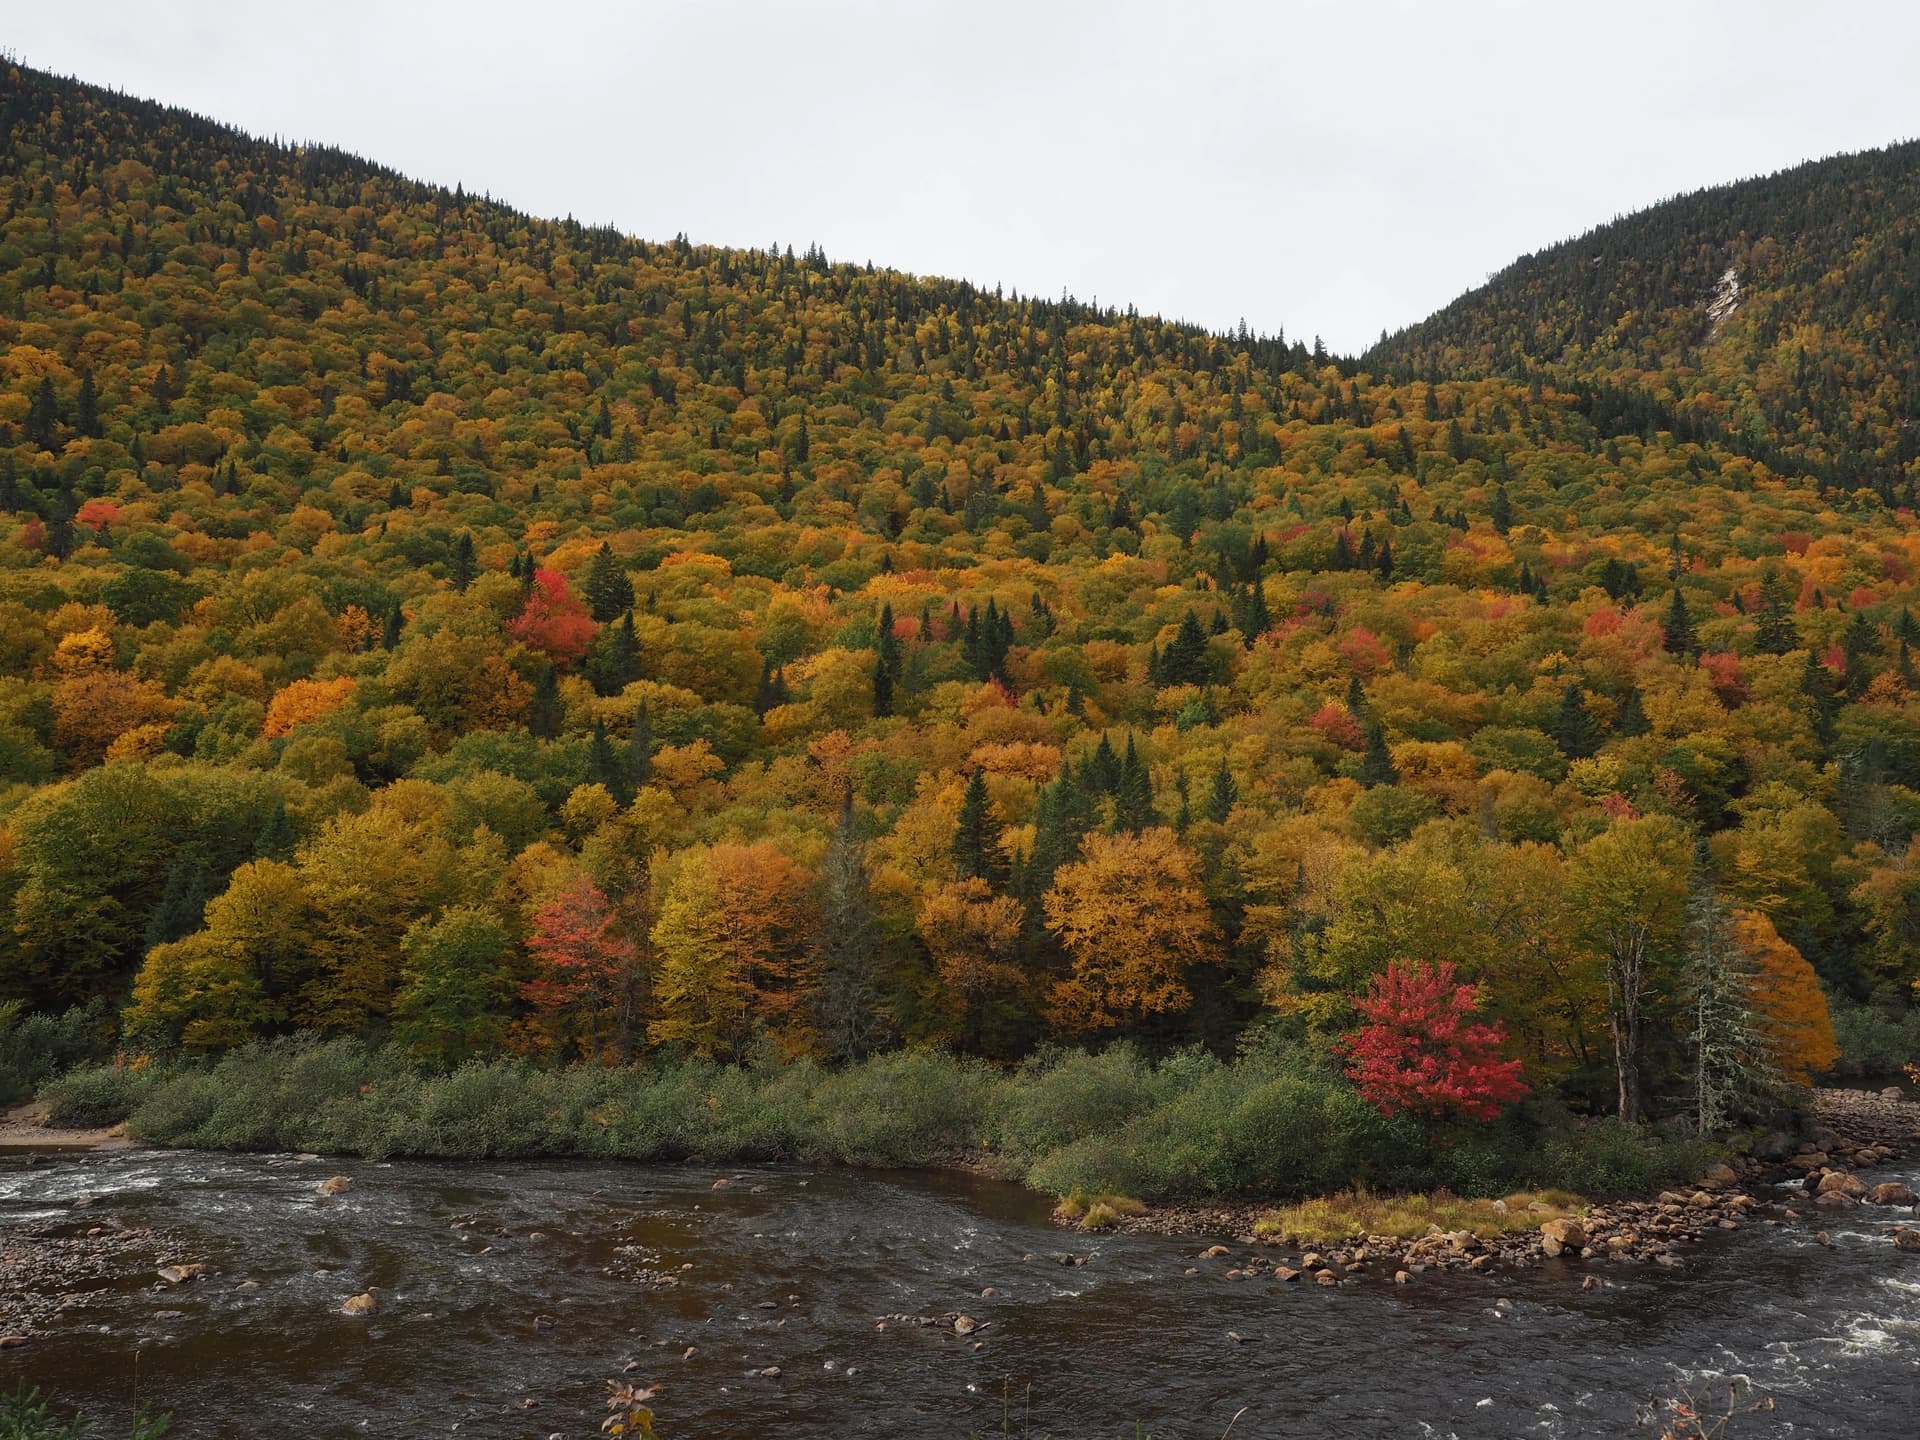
<point>1781,312</point>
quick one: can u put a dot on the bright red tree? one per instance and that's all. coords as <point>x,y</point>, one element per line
<point>554,619</point>
<point>583,959</point>
<point>1421,1052</point>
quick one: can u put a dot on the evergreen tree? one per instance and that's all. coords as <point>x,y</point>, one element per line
<point>1573,728</point>
<point>640,747</point>
<point>1732,1060</point>
<point>1222,795</point>
<point>604,767</point>
<point>1376,765</point>
<point>614,662</point>
<point>546,711</point>
<point>1816,683</point>
<point>1631,718</point>
<point>1774,631</point>
<point>1501,510</point>
<point>608,590</point>
<point>463,567</point>
<point>390,632</point>
<point>882,690</point>
<point>1102,774</point>
<point>772,692</point>
<point>846,948</point>
<point>1133,793</point>
<point>1676,629</point>
<point>976,845</point>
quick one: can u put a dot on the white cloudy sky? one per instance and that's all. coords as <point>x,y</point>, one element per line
<point>1333,168</point>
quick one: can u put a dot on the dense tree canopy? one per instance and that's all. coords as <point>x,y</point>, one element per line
<point>420,617</point>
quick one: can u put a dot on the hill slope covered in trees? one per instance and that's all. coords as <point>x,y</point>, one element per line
<point>504,635</point>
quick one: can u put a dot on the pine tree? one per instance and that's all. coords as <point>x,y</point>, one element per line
<point>614,662</point>
<point>847,948</point>
<point>1732,1061</point>
<point>1501,510</point>
<point>463,567</point>
<point>1573,727</point>
<point>1774,631</point>
<point>1376,765</point>
<point>1222,795</point>
<point>1102,774</point>
<point>882,690</point>
<point>390,632</point>
<point>604,767</point>
<point>608,590</point>
<point>1816,683</point>
<point>545,711</point>
<point>1631,718</point>
<point>1676,629</point>
<point>1133,794</point>
<point>640,747</point>
<point>976,844</point>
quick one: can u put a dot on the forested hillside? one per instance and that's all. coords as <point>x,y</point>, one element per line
<point>1778,316</point>
<point>504,635</point>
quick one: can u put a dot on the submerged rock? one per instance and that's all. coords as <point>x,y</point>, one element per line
<point>360,1305</point>
<point>1894,1192</point>
<point>336,1185</point>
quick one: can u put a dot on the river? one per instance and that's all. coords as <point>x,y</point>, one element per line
<point>509,1294</point>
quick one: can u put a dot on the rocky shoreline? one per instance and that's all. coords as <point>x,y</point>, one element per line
<point>1849,1130</point>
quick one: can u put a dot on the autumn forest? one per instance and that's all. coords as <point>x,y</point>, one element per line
<point>493,639</point>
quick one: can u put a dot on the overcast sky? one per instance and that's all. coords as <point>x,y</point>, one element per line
<point>1335,169</point>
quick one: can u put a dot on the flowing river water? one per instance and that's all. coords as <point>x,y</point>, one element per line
<point>509,1294</point>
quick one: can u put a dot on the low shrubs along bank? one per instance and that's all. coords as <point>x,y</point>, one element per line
<point>1271,1123</point>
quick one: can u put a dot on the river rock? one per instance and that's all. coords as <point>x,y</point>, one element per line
<point>1894,1192</point>
<point>336,1185</point>
<point>1719,1175</point>
<point>1907,1238</point>
<point>1892,1092</point>
<point>1700,1200</point>
<point>181,1274</point>
<point>1401,1277</point>
<point>1839,1182</point>
<point>1213,1252</point>
<point>13,1342</point>
<point>965,1324</point>
<point>360,1305</point>
<point>1285,1272</point>
<point>1326,1277</point>
<point>1559,1235</point>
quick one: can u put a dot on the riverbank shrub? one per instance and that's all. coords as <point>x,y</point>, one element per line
<point>35,1045</point>
<point>1878,1039</point>
<point>1273,1122</point>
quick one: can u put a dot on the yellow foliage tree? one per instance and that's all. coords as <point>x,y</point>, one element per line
<point>1133,917</point>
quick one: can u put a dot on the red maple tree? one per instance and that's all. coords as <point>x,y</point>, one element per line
<point>583,957</point>
<point>554,619</point>
<point>1421,1052</point>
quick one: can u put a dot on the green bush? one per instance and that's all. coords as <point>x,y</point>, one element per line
<point>96,1095</point>
<point>35,1046</point>
<point>1876,1040</point>
<point>913,1107</point>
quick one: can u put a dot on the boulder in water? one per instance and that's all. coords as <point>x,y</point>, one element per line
<point>336,1185</point>
<point>1894,1192</point>
<point>1906,1238</point>
<point>1839,1182</point>
<point>360,1305</point>
<point>182,1274</point>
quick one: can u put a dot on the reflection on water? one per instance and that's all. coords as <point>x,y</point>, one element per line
<point>510,1293</point>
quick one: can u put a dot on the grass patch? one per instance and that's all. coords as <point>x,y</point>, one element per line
<point>1096,1212</point>
<point>1353,1214</point>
